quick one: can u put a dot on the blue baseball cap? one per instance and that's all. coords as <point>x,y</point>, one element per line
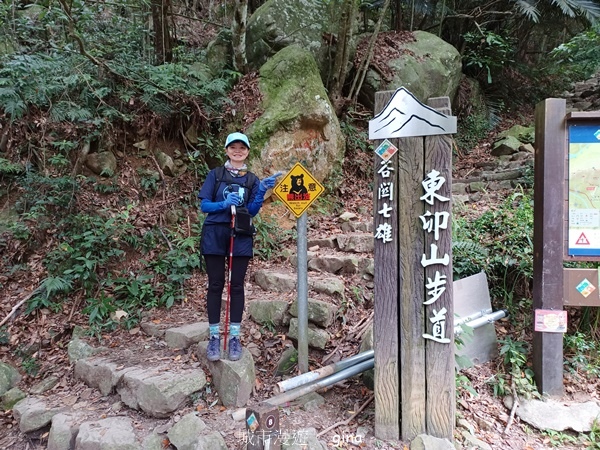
<point>237,137</point>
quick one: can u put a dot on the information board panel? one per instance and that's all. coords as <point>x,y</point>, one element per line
<point>584,190</point>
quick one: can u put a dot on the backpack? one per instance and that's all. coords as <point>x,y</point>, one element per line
<point>223,176</point>
<point>243,219</point>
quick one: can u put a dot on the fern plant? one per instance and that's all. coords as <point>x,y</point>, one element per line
<point>8,168</point>
<point>468,258</point>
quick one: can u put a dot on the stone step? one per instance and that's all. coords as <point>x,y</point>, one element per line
<point>281,280</point>
<point>349,242</point>
<point>155,390</point>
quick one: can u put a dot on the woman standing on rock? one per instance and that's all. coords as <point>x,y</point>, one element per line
<point>226,186</point>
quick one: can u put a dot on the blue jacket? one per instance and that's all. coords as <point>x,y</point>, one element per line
<point>216,232</point>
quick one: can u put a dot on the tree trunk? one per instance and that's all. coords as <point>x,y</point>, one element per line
<point>342,54</point>
<point>364,64</point>
<point>238,35</point>
<point>254,5</point>
<point>162,38</point>
<point>397,16</point>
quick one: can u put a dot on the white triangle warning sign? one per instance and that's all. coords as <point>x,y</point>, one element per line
<point>582,240</point>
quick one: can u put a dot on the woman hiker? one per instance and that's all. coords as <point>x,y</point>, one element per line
<point>231,184</point>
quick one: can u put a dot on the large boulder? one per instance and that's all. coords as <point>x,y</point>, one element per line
<point>280,23</point>
<point>298,123</point>
<point>9,377</point>
<point>428,67</point>
<point>219,53</point>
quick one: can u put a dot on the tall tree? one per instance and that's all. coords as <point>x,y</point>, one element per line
<point>363,67</point>
<point>238,35</point>
<point>397,16</point>
<point>342,53</point>
<point>163,47</point>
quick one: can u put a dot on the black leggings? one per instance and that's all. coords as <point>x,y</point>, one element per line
<point>215,269</point>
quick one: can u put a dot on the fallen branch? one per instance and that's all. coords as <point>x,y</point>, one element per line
<point>160,173</point>
<point>365,327</point>
<point>17,306</point>
<point>328,357</point>
<point>360,323</point>
<point>166,239</point>
<point>512,411</point>
<point>349,419</point>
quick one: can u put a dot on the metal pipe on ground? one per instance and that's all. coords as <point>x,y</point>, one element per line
<point>353,369</point>
<point>481,321</point>
<point>292,383</point>
<point>474,321</point>
<point>312,386</point>
<point>477,315</point>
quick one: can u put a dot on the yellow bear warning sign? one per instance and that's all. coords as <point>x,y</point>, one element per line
<point>298,189</point>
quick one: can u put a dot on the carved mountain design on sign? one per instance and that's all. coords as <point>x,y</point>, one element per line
<point>405,116</point>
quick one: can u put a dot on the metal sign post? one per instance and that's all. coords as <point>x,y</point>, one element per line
<point>302,293</point>
<point>298,189</point>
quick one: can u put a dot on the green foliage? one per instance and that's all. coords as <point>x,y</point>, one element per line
<point>148,181</point>
<point>4,335</point>
<point>209,149</point>
<point>269,325</point>
<point>558,438</point>
<point>29,363</point>
<point>487,53</point>
<point>468,257</point>
<point>580,56</point>
<point>471,130</point>
<point>50,288</point>
<point>506,233</point>
<point>463,385</point>
<point>92,67</point>
<point>592,439</point>
<point>47,82</point>
<point>581,353</point>
<point>269,238</point>
<point>8,168</point>
<point>89,259</point>
<point>106,187</point>
<point>358,159</point>
<point>46,200</point>
<point>99,309</point>
<point>19,231</point>
<point>460,339</point>
<point>88,244</point>
<point>514,355</point>
<point>499,385</point>
<point>30,366</point>
<point>175,267</point>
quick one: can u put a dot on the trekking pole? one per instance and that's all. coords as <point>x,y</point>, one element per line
<point>229,275</point>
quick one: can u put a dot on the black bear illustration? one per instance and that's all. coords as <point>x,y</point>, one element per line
<point>298,185</point>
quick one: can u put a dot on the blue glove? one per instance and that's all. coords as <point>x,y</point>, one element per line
<point>269,183</point>
<point>233,198</point>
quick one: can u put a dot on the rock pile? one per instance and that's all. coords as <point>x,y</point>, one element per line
<point>585,95</point>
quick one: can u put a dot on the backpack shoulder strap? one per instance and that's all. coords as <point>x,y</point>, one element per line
<point>222,176</point>
<point>219,175</point>
<point>251,180</point>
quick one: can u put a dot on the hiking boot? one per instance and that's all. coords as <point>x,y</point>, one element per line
<point>235,348</point>
<point>213,351</point>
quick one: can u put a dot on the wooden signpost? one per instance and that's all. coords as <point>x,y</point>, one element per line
<point>413,321</point>
<point>566,228</point>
